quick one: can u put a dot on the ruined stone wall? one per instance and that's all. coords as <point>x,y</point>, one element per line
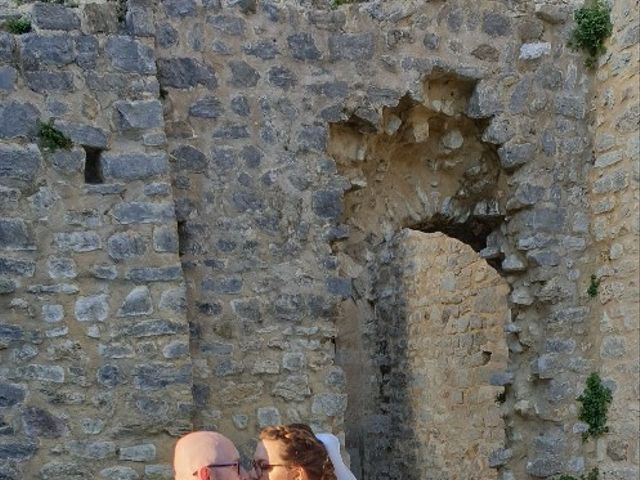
<point>614,200</point>
<point>252,161</point>
<point>444,310</point>
<point>95,372</point>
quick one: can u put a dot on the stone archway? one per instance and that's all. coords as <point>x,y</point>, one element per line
<point>442,317</point>
<point>424,165</point>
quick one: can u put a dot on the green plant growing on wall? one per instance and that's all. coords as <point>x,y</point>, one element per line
<point>18,26</point>
<point>595,400</point>
<point>594,474</point>
<point>593,27</point>
<point>51,138</point>
<point>592,291</point>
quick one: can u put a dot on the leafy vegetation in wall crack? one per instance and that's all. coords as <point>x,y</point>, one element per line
<point>595,400</point>
<point>593,27</point>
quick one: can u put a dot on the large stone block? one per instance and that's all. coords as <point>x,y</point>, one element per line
<point>94,308</point>
<point>138,302</point>
<point>125,245</point>
<point>54,16</point>
<point>355,47</point>
<point>16,235</point>
<point>42,81</point>
<point>11,394</point>
<point>155,274</point>
<point>19,166</point>
<point>38,50</point>
<point>17,119</point>
<point>141,212</point>
<point>155,376</point>
<point>133,165</point>
<point>129,55</point>
<point>8,76</point>
<point>206,107</point>
<point>227,24</point>
<point>83,134</point>
<point>243,75</point>
<point>138,115</point>
<point>40,423</point>
<point>303,47</point>
<point>185,73</point>
<point>17,266</point>
<point>80,241</point>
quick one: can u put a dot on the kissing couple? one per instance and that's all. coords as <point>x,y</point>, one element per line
<point>284,452</point>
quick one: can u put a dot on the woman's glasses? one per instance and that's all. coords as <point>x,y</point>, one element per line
<point>262,466</point>
<point>221,465</point>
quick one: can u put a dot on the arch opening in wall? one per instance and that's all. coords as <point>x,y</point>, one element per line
<point>423,166</point>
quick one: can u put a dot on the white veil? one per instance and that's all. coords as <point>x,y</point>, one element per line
<point>332,444</point>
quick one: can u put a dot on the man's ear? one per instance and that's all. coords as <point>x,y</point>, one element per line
<point>205,474</point>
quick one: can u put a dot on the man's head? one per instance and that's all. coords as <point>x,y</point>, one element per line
<point>206,456</point>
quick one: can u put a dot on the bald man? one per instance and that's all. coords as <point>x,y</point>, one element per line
<point>207,456</point>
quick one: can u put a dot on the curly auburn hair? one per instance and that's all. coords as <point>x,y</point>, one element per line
<point>302,448</point>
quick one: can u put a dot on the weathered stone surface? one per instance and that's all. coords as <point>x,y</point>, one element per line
<point>17,119</point>
<point>19,166</point>
<point>149,328</point>
<point>80,241</point>
<point>133,165</point>
<point>141,212</point>
<point>92,450</point>
<point>67,161</point>
<point>11,394</point>
<point>138,115</point>
<point>138,453</point>
<point>532,51</point>
<point>358,47</point>
<point>8,76</point>
<point>303,47</point>
<point>43,373</point>
<point>16,235</point>
<point>243,75</point>
<point>206,107</point>
<point>40,423</point>
<point>15,451</point>
<point>155,274</point>
<point>38,50</point>
<point>17,266</point>
<point>282,77</point>
<point>227,24</point>
<point>495,24</point>
<point>84,134</point>
<point>125,245</point>
<point>185,73</point>
<point>129,55</point>
<point>513,156</point>
<point>138,302</point>
<point>293,388</point>
<point>160,375</point>
<point>484,101</point>
<point>94,308</point>
<point>119,473</point>
<point>329,404</point>
<point>53,16</point>
<point>50,82</point>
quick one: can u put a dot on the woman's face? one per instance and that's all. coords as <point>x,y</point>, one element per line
<point>269,455</point>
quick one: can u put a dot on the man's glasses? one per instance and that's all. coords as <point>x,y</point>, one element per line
<point>221,465</point>
<point>262,466</point>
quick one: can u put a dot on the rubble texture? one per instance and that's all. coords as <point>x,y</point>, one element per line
<point>380,219</point>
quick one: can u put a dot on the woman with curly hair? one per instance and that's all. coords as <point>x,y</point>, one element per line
<point>293,452</point>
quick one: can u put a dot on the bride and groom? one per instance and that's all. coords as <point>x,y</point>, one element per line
<point>284,452</point>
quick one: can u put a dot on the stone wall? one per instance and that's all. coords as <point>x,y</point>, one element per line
<point>95,377</point>
<point>613,196</point>
<point>207,255</point>
<point>443,310</point>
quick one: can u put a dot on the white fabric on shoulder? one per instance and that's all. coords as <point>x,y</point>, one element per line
<point>332,444</point>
